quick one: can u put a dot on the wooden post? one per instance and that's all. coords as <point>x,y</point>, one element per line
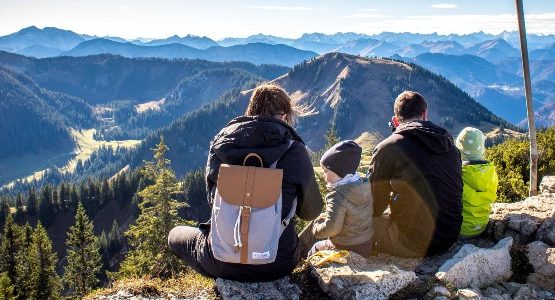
<point>529,105</point>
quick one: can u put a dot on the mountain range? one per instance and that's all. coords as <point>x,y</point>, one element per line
<point>503,94</point>
<point>51,41</point>
<point>496,85</point>
<point>135,90</point>
<point>44,101</point>
<point>354,93</point>
<point>188,101</point>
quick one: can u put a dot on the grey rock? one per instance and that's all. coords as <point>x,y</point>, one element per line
<point>441,298</point>
<point>545,295</point>
<point>281,289</point>
<point>512,287</point>
<point>504,296</point>
<point>440,291</point>
<point>547,185</point>
<point>546,231</point>
<point>469,294</point>
<point>542,259</point>
<point>359,279</point>
<point>492,292</point>
<point>526,293</point>
<point>473,266</point>
<point>520,220</point>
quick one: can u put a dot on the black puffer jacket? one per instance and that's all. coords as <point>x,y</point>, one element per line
<point>420,167</point>
<point>269,138</point>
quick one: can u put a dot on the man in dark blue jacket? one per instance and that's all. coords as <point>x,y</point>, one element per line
<point>417,173</point>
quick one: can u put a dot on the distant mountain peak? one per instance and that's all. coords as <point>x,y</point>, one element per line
<point>29,29</point>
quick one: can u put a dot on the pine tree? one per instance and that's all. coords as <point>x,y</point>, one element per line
<point>19,215</point>
<point>4,211</point>
<point>331,137</point>
<point>149,254</point>
<point>6,287</point>
<point>105,193</point>
<point>55,201</point>
<point>73,197</point>
<point>43,282</point>
<point>83,255</point>
<point>46,207</point>
<point>114,238</point>
<point>12,243</point>
<point>103,245</point>
<point>64,196</point>
<point>32,202</point>
<point>23,269</point>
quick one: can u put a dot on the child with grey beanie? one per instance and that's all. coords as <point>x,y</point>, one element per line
<point>346,222</point>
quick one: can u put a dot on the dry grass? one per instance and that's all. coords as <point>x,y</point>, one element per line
<point>188,285</point>
<point>86,145</point>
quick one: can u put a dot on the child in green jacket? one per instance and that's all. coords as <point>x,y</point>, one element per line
<point>480,182</point>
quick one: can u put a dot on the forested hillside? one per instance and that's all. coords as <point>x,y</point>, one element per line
<point>36,119</point>
<point>104,78</point>
<point>354,93</point>
<point>45,100</point>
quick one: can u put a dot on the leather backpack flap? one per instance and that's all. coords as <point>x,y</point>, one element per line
<point>249,186</point>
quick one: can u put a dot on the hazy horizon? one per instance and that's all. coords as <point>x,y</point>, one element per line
<point>290,19</point>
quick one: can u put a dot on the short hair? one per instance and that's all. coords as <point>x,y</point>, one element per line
<point>269,100</point>
<point>409,105</point>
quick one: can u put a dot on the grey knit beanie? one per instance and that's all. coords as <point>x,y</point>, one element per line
<point>342,158</point>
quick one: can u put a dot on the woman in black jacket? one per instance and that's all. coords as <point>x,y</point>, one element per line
<point>266,130</point>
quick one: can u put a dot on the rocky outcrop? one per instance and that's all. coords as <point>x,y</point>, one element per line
<point>361,279</point>
<point>542,259</point>
<point>281,289</point>
<point>522,220</point>
<point>469,294</point>
<point>478,267</point>
<point>546,231</point>
<point>547,185</point>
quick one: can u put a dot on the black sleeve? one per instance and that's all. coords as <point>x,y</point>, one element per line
<point>299,171</point>
<point>212,169</point>
<point>380,174</point>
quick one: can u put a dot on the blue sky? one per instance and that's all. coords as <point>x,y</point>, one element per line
<point>221,18</point>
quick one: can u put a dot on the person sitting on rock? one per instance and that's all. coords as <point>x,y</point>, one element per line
<point>416,171</point>
<point>265,129</point>
<point>346,222</point>
<point>480,182</point>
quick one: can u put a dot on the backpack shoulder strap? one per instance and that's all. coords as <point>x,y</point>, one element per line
<point>291,214</point>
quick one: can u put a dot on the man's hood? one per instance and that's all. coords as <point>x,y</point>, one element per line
<point>268,137</point>
<point>433,137</point>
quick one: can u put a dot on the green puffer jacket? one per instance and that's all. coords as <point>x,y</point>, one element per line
<point>347,220</point>
<point>479,192</point>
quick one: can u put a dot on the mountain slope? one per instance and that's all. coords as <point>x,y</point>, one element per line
<point>49,37</point>
<point>256,53</point>
<point>189,40</point>
<point>495,87</point>
<point>35,119</point>
<point>356,93</point>
<point>493,50</point>
<point>368,47</point>
<point>547,53</point>
<point>104,78</point>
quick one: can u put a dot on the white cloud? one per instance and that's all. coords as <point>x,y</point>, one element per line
<point>294,8</point>
<point>460,24</point>
<point>444,5</point>
<point>369,9</point>
<point>366,16</point>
